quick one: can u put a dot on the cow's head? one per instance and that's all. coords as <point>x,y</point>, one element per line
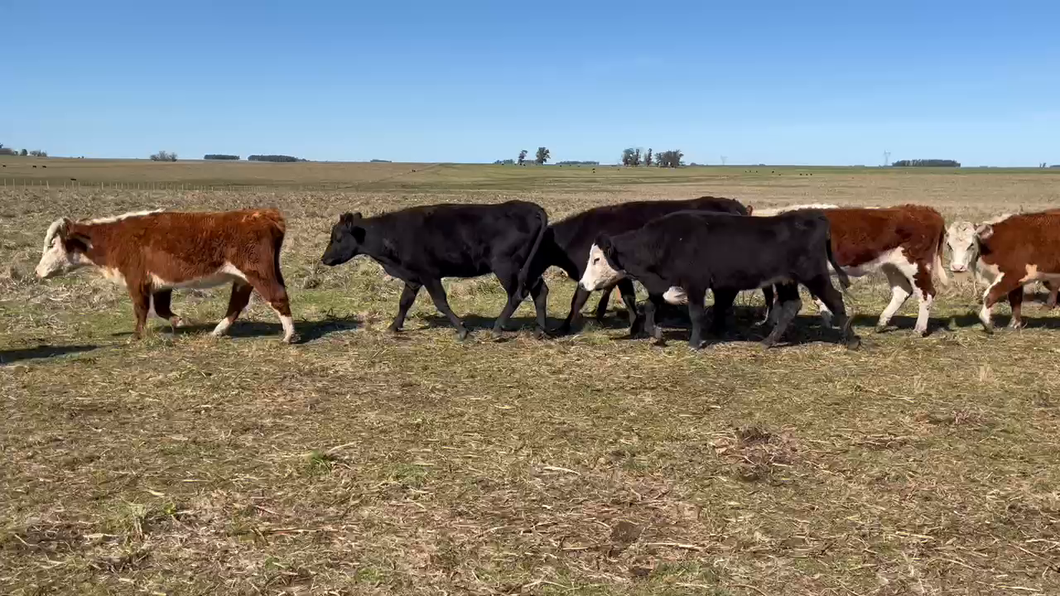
<point>63,251</point>
<point>603,269</point>
<point>345,241</point>
<point>961,238</point>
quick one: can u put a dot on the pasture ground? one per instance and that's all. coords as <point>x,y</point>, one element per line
<point>364,463</point>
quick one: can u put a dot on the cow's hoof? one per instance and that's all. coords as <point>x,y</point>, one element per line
<point>853,343</point>
<point>988,329</point>
<point>496,335</point>
<point>696,345</point>
<point>881,328</point>
<point>393,330</point>
<point>540,333</point>
<point>462,334</point>
<point>767,344</point>
<point>920,332</point>
<point>291,339</point>
<point>1016,325</point>
<point>177,322</point>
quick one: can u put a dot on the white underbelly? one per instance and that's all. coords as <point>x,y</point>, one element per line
<point>227,274</point>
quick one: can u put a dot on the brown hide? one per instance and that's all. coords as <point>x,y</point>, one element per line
<point>862,235</point>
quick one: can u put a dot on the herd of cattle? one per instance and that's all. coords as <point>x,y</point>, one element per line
<point>678,250</point>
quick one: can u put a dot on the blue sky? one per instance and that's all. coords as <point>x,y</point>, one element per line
<point>773,82</point>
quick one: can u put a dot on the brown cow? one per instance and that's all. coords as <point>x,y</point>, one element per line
<point>1009,252</point>
<point>905,242</point>
<point>153,252</point>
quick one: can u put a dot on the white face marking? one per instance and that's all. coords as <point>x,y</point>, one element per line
<point>227,273</point>
<point>676,295</point>
<point>960,237</point>
<point>55,259</point>
<point>598,272</point>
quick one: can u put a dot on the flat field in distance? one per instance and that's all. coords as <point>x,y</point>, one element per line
<point>364,463</point>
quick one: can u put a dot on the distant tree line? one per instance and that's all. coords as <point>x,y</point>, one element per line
<point>221,156</point>
<point>23,152</point>
<point>576,163</point>
<point>634,157</point>
<point>540,158</point>
<point>380,161</point>
<point>164,156</point>
<point>926,163</point>
<point>280,158</point>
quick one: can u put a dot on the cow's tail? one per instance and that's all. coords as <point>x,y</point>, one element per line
<point>525,270</point>
<point>844,279</point>
<point>937,265</point>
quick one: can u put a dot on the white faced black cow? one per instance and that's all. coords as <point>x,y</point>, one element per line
<point>726,254</point>
<point>421,245</point>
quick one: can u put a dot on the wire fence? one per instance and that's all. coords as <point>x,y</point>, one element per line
<point>27,183</point>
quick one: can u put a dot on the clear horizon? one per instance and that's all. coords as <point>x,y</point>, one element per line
<point>832,83</point>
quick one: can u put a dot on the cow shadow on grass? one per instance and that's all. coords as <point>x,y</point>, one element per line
<point>949,324</point>
<point>306,331</point>
<point>41,351</point>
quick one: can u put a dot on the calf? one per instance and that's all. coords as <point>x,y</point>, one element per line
<point>697,252</point>
<point>905,242</point>
<point>1008,253</point>
<point>567,242</point>
<point>960,237</point>
<point>154,252</point>
<point>421,245</point>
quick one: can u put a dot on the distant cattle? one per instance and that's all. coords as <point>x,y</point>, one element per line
<point>567,242</point>
<point>905,242</point>
<point>1008,253</point>
<point>696,252</point>
<point>154,252</point>
<point>421,245</point>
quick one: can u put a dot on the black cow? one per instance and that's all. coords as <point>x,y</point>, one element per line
<point>421,245</point>
<point>697,251</point>
<point>567,242</point>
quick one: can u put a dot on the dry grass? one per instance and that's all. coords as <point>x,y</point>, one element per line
<point>361,463</point>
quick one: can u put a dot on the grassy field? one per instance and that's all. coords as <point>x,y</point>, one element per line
<point>363,463</point>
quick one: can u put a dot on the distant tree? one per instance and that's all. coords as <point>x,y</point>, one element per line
<point>220,156</point>
<point>504,162</point>
<point>275,158</point>
<point>164,156</point>
<point>627,156</point>
<point>522,156</point>
<point>23,153</point>
<point>926,163</point>
<point>38,153</point>
<point>648,158</point>
<point>542,155</point>
<point>380,161</point>
<point>577,163</point>
<point>669,159</point>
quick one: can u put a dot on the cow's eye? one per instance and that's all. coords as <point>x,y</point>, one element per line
<point>596,260</point>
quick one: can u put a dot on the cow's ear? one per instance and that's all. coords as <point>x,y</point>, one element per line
<point>603,241</point>
<point>349,219</point>
<point>64,227</point>
<point>984,232</point>
<point>77,242</point>
<point>750,210</point>
<point>358,233</point>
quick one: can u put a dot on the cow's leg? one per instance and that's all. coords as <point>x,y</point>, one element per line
<point>539,292</point>
<point>629,297</point>
<point>696,313</point>
<point>653,330</point>
<point>271,289</point>
<point>723,300</point>
<point>901,288</point>
<point>1003,284</point>
<point>1054,288</point>
<point>822,289</point>
<point>236,303</point>
<point>767,297</point>
<point>437,292</point>
<point>408,297</point>
<point>141,299</point>
<point>601,307</point>
<point>581,296</point>
<point>788,306</point>
<point>162,301</point>
<point>925,294</point>
<point>510,281</point>
<point>1015,300</point>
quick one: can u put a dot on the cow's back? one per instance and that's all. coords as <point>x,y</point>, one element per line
<point>861,236</point>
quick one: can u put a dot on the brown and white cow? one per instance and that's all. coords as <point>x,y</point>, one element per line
<point>1008,253</point>
<point>154,252</point>
<point>905,242</point>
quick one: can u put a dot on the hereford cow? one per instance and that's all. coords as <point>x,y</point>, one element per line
<point>154,252</point>
<point>697,251</point>
<point>905,242</point>
<point>421,245</point>
<point>960,237</point>
<point>1008,253</point>
<point>566,245</point>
